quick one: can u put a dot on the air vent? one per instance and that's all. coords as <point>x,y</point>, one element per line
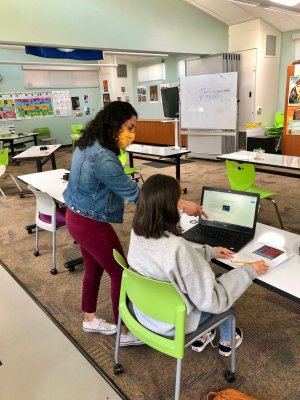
<point>270,45</point>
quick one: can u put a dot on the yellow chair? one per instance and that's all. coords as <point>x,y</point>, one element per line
<point>76,133</point>
<point>129,170</point>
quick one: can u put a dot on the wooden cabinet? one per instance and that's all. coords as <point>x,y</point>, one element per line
<point>156,132</point>
<point>291,130</point>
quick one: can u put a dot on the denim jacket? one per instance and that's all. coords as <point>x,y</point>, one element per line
<point>98,186</point>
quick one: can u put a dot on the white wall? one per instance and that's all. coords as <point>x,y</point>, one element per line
<point>252,35</point>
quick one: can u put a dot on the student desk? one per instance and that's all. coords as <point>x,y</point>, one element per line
<point>10,139</point>
<point>143,152</point>
<point>285,165</point>
<point>40,156</point>
<point>51,182</point>
<point>283,279</point>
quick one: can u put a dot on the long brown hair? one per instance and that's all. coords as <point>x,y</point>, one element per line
<point>156,211</point>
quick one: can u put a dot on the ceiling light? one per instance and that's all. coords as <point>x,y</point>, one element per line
<point>288,3</point>
<point>246,2</point>
<point>283,10</point>
<point>131,53</point>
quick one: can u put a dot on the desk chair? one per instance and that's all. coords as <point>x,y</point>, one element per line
<point>242,176</point>
<point>76,133</point>
<point>161,301</point>
<point>44,136</point>
<point>276,130</point>
<point>49,218</point>
<point>3,167</point>
<point>128,170</point>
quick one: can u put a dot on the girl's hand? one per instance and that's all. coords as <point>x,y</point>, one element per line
<point>222,252</point>
<point>191,208</point>
<point>260,267</point>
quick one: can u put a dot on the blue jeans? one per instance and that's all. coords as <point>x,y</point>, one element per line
<point>225,327</point>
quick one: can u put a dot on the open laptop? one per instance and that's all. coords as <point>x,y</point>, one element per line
<point>232,217</point>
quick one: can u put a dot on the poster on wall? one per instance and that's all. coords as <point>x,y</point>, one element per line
<point>105,85</point>
<point>294,90</point>
<point>33,105</point>
<point>7,107</point>
<point>293,120</point>
<point>61,103</point>
<point>153,94</point>
<point>141,92</point>
<point>106,99</point>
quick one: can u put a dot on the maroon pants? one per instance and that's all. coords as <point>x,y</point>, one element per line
<point>97,241</point>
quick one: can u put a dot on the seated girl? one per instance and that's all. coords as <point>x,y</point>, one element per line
<point>158,251</point>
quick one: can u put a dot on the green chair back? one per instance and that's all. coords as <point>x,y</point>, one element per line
<point>279,119</point>
<point>123,157</point>
<point>159,300</point>
<point>4,157</point>
<point>43,132</point>
<point>77,129</point>
<point>241,176</point>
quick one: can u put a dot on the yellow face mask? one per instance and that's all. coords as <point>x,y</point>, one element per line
<point>125,138</point>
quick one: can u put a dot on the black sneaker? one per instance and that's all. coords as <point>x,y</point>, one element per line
<point>201,343</point>
<point>225,345</point>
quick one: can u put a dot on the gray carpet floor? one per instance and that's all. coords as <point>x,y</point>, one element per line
<point>268,362</point>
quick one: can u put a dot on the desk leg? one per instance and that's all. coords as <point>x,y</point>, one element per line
<point>53,162</point>
<point>38,165</point>
<point>130,160</point>
<point>178,168</point>
<point>35,139</point>
<point>12,149</point>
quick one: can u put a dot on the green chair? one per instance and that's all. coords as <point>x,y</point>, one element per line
<point>242,176</point>
<point>129,170</point>
<point>4,166</point>
<point>277,129</point>
<point>76,133</point>
<point>161,301</point>
<point>44,136</point>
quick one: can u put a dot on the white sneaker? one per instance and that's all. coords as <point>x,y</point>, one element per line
<point>128,339</point>
<point>100,326</point>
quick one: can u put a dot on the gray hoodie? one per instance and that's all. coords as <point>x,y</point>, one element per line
<point>176,260</point>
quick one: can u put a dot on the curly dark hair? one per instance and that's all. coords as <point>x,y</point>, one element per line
<point>106,125</point>
<point>156,212</point>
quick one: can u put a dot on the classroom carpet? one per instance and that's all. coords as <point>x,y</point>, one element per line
<point>268,361</point>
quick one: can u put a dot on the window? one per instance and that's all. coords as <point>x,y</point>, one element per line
<point>154,72</point>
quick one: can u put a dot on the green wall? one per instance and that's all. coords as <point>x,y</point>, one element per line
<point>156,25</point>
<point>287,58</point>
<point>149,110</point>
<point>59,126</point>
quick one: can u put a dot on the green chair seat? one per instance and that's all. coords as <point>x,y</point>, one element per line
<point>76,133</point>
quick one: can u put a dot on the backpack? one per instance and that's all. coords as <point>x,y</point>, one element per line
<point>229,394</point>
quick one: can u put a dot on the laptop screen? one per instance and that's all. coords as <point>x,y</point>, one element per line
<point>230,207</point>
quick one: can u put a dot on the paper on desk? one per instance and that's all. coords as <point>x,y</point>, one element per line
<point>256,251</point>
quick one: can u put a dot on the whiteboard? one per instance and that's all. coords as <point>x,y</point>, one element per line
<point>209,101</point>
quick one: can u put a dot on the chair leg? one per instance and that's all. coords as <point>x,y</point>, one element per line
<point>15,181</point>
<point>178,378</point>
<point>53,269</point>
<point>142,178</point>
<point>230,375</point>
<point>36,250</point>
<point>277,211</point>
<point>2,193</point>
<point>118,367</point>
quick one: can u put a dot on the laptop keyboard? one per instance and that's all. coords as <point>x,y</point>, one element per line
<point>217,234</point>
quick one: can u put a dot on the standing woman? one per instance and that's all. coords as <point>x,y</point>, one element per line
<point>95,197</point>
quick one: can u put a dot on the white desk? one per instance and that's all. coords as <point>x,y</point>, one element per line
<point>156,151</point>
<point>284,279</point>
<point>40,156</point>
<point>286,165</point>
<point>51,182</point>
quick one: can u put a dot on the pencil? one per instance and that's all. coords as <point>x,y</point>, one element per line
<point>242,262</point>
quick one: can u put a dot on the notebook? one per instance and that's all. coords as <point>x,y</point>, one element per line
<point>232,217</point>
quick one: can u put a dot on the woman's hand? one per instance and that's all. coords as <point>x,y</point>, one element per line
<point>260,267</point>
<point>191,208</point>
<point>222,252</point>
